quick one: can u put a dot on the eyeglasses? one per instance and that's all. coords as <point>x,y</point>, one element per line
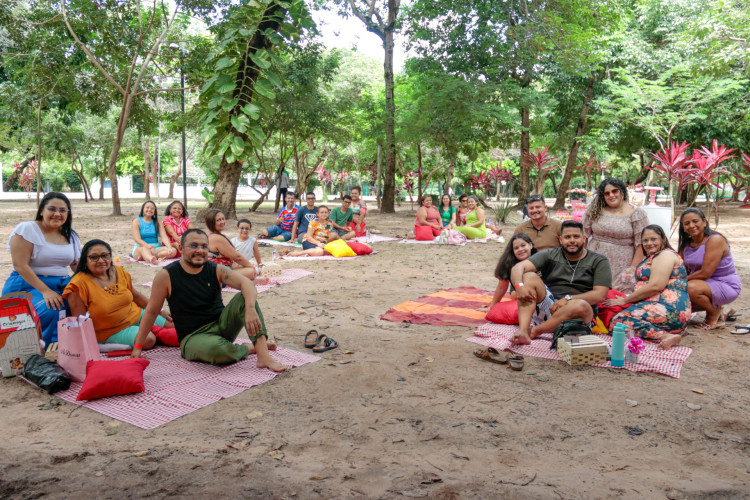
<point>614,192</point>
<point>535,197</point>
<point>61,211</point>
<point>198,247</point>
<point>105,257</point>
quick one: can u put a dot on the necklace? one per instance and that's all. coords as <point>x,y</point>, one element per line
<point>574,269</point>
<point>110,288</point>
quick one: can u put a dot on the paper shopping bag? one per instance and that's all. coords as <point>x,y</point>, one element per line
<point>76,345</point>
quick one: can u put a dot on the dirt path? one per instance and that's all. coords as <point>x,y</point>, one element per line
<point>455,427</point>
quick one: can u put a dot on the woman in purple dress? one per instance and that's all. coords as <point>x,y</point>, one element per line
<point>712,277</point>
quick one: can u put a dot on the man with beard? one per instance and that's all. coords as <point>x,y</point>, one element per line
<point>205,328</point>
<point>543,231</point>
<point>573,280</point>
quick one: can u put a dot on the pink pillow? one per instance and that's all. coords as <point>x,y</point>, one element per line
<point>505,313</point>
<point>423,233</point>
<point>359,248</point>
<point>111,378</point>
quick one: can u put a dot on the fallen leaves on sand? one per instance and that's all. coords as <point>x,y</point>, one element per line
<point>141,453</point>
<point>99,473</point>
<point>430,478</point>
<point>697,390</point>
<point>319,478</point>
<point>348,352</point>
<point>635,431</point>
<point>276,454</point>
<point>693,406</point>
<point>254,414</point>
<point>429,359</point>
<point>110,432</point>
<point>631,402</point>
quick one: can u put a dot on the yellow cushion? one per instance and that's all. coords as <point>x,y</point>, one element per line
<point>339,248</point>
<point>600,328</point>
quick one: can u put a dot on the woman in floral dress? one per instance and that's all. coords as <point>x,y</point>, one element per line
<point>615,226</point>
<point>660,305</point>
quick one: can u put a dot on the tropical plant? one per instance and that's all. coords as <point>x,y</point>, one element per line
<point>669,161</point>
<point>704,170</point>
<point>541,163</point>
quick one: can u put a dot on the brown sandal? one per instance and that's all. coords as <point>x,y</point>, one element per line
<point>492,355</point>
<point>516,362</point>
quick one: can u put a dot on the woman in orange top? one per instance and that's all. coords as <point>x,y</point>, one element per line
<point>106,292</point>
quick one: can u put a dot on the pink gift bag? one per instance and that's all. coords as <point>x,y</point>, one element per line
<point>76,345</point>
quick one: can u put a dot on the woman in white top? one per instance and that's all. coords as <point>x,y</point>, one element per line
<point>41,251</point>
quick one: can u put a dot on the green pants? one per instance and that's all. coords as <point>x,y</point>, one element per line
<point>214,343</point>
<point>472,233</point>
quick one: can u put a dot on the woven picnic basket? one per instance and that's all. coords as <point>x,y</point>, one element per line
<point>271,270</point>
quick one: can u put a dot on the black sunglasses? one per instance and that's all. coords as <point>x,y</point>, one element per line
<point>536,197</point>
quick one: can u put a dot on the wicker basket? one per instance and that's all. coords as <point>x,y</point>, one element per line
<point>583,350</point>
<point>271,270</point>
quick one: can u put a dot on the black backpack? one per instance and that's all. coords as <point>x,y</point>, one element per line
<point>570,327</point>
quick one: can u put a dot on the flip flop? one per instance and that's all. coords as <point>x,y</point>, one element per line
<point>741,330</point>
<point>311,338</point>
<point>516,362</point>
<point>710,325</point>
<point>325,343</point>
<point>731,316</point>
<point>492,355</point>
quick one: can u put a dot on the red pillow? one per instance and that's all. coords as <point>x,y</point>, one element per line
<point>359,248</point>
<point>505,313</point>
<point>110,378</point>
<point>606,313</point>
<point>167,336</point>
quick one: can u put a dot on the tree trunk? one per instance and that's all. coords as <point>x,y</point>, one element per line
<point>225,189</point>
<point>260,200</point>
<point>523,181</point>
<point>81,178</point>
<point>147,168</point>
<point>573,155</point>
<point>172,181</point>
<point>13,178</point>
<point>449,176</point>
<point>389,175</point>
<point>122,125</point>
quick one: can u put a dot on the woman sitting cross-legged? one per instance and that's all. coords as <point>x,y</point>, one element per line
<point>106,292</point>
<point>175,223</point>
<point>319,232</point>
<point>475,223</point>
<point>712,278</point>
<point>660,307</point>
<point>221,251</point>
<point>149,236</point>
<point>447,211</point>
<point>428,223</point>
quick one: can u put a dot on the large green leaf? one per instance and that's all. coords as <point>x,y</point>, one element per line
<point>224,62</point>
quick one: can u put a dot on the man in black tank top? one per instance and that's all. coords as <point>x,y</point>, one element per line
<point>206,328</point>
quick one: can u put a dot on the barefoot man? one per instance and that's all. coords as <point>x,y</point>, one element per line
<point>573,280</point>
<point>205,328</point>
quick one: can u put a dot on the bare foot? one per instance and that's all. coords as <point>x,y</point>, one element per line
<point>668,341</point>
<point>715,317</point>
<point>520,338</point>
<point>271,364</point>
<point>154,260</point>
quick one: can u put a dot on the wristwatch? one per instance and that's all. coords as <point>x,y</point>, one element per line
<point>568,297</point>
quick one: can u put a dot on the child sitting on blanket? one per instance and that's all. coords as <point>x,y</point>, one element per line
<point>319,232</point>
<point>246,244</point>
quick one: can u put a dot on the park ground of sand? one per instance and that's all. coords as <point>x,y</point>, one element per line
<point>348,426</point>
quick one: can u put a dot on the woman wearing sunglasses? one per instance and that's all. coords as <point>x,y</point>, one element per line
<point>615,227</point>
<point>106,292</point>
<point>41,251</point>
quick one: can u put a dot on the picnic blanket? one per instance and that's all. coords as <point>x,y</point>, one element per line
<point>452,307</point>
<point>279,243</point>
<point>176,387</point>
<point>287,276</point>
<point>130,260</point>
<point>324,257</point>
<point>653,359</point>
<point>435,242</point>
<point>374,238</point>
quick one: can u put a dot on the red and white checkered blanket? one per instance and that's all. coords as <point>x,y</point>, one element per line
<point>130,260</point>
<point>653,359</point>
<point>176,387</point>
<point>287,276</point>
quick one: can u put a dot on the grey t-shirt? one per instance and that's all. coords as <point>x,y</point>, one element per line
<point>557,272</point>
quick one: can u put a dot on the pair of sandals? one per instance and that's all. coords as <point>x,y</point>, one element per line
<point>513,360</point>
<point>729,317</point>
<point>319,342</point>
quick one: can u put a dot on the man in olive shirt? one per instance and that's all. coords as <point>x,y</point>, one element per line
<point>543,231</point>
<point>573,280</point>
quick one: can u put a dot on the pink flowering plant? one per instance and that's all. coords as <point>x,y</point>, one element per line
<point>636,345</point>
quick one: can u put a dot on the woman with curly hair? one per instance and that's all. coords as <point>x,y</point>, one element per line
<point>614,227</point>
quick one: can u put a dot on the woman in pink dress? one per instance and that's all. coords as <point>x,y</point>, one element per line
<point>615,226</point>
<point>428,223</point>
<point>175,223</point>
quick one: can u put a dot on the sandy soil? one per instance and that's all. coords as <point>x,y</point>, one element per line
<point>455,427</point>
